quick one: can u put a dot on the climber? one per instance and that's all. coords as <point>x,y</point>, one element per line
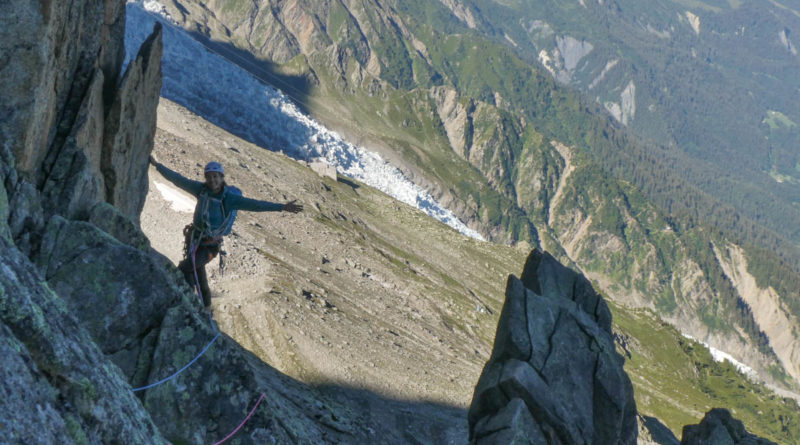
<point>214,213</point>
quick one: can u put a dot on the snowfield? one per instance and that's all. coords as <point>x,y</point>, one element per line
<point>231,98</point>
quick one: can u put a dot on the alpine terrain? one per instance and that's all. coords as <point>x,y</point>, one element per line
<point>471,265</point>
<point>521,154</point>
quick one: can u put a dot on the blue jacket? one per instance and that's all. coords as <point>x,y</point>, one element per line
<point>220,204</point>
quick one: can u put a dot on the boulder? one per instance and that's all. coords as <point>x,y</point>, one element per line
<point>110,220</point>
<point>554,354</point>
<point>120,293</point>
<point>719,427</point>
<point>653,432</point>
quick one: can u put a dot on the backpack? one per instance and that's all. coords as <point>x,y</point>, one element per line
<point>203,202</point>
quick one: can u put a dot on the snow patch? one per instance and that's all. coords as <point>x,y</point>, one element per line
<point>209,85</point>
<point>510,40</point>
<point>155,7</point>
<point>178,200</point>
<point>720,356</point>
<point>783,36</point>
<point>547,62</point>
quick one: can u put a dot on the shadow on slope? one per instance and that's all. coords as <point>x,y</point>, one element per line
<point>144,318</point>
<point>297,87</point>
<point>229,87</point>
<point>225,382</point>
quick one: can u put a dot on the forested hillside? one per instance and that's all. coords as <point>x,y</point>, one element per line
<point>710,84</point>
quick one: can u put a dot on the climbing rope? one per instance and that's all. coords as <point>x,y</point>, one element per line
<point>193,248</point>
<point>180,370</point>
<point>243,421</point>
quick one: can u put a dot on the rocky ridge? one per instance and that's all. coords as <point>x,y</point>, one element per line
<point>718,426</point>
<point>554,375</point>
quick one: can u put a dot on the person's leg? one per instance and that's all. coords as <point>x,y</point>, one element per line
<point>185,266</point>
<point>204,290</point>
<point>202,256</point>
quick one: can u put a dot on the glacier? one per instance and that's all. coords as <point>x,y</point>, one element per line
<point>232,98</point>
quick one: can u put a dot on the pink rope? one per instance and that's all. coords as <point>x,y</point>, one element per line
<point>243,421</point>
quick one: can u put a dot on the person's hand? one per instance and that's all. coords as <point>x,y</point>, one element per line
<point>291,207</point>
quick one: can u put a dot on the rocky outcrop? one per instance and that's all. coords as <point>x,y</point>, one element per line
<point>462,12</point>
<point>51,52</point>
<point>719,427</point>
<point>60,73</point>
<point>128,135</point>
<point>142,317</point>
<point>653,432</point>
<point>57,385</point>
<point>554,375</point>
<point>68,115</point>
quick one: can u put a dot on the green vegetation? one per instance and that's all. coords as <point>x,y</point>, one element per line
<point>676,380</point>
<point>74,430</point>
<point>776,120</point>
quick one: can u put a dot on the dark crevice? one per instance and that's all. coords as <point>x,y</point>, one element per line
<point>550,345</point>
<point>79,88</point>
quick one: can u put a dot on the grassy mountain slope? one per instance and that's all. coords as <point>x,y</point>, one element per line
<point>362,291</point>
<point>676,380</point>
<point>512,153</point>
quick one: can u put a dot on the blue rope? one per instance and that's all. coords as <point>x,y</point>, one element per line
<point>180,370</point>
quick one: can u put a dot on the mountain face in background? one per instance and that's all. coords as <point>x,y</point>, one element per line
<point>499,139</point>
<point>716,80</point>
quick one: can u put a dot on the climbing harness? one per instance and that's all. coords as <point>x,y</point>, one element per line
<point>202,234</point>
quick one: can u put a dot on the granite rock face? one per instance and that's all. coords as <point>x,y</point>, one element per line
<point>74,132</point>
<point>719,427</point>
<point>59,74</point>
<point>128,135</point>
<point>554,376</point>
<point>52,51</point>
<point>57,385</point>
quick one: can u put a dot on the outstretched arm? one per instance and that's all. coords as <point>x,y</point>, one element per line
<point>254,205</point>
<point>193,187</point>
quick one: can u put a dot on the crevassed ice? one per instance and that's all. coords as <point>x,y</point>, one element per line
<point>221,92</point>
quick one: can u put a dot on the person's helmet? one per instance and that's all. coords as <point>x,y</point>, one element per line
<point>214,167</point>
